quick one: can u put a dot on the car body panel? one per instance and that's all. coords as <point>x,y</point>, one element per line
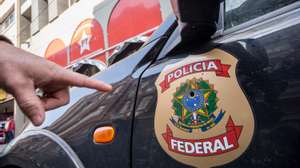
<point>89,110</point>
<point>38,148</point>
<point>267,73</point>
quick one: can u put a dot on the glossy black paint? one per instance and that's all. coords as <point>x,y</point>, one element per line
<point>116,109</point>
<point>268,72</point>
<point>269,79</point>
<point>36,151</point>
<point>89,110</point>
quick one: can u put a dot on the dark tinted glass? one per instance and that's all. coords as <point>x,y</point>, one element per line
<point>240,11</point>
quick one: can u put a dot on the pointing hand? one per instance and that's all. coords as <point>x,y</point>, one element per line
<point>23,72</point>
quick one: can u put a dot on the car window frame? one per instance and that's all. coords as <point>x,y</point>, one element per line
<point>221,31</point>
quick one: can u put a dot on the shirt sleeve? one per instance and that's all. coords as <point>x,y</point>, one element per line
<point>5,39</point>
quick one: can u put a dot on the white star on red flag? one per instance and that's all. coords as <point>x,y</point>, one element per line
<point>84,42</point>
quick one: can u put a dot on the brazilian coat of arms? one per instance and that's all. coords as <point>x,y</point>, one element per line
<point>195,106</point>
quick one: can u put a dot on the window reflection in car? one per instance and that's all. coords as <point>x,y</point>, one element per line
<point>240,11</point>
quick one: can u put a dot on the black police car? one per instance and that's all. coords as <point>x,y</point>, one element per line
<point>185,99</point>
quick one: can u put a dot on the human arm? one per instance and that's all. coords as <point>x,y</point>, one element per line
<point>21,73</point>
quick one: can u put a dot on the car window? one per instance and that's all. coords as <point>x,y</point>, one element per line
<point>240,11</point>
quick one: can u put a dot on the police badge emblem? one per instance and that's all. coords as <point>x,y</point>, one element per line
<point>194,105</point>
<point>198,121</point>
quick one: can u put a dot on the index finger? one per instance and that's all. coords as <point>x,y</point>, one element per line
<point>75,79</point>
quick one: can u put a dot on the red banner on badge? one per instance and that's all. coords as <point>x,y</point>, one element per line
<point>216,145</point>
<point>195,67</point>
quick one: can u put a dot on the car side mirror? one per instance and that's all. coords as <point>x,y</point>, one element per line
<point>197,17</point>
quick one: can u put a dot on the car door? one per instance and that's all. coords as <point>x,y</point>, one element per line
<point>263,38</point>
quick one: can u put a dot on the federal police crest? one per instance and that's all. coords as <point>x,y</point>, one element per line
<point>195,105</point>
